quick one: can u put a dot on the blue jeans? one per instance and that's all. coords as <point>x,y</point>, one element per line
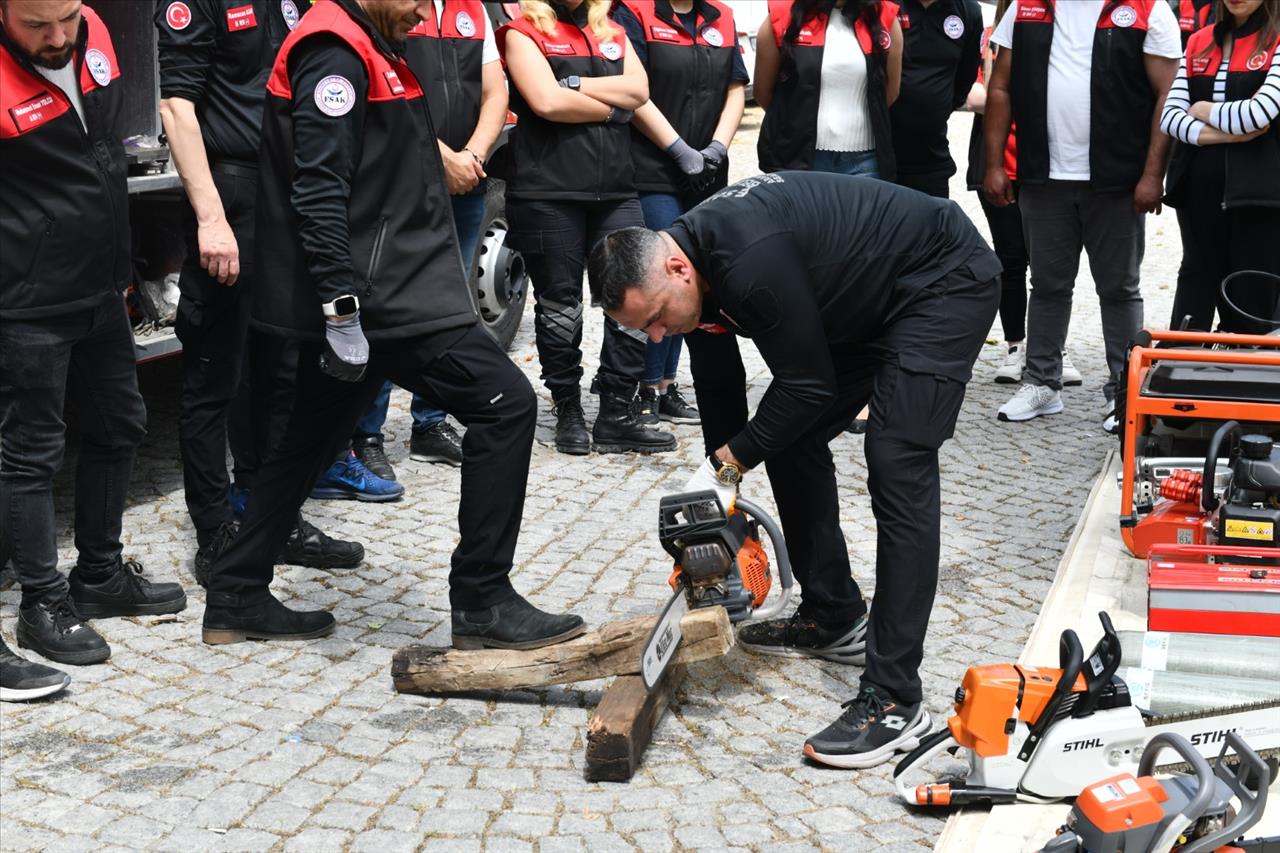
<point>662,359</point>
<point>468,214</point>
<point>861,163</point>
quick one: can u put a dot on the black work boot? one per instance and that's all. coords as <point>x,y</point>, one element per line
<point>233,619</point>
<point>22,680</point>
<point>368,449</point>
<point>210,548</point>
<point>513,624</point>
<point>618,430</point>
<point>57,631</point>
<point>571,427</point>
<point>309,546</point>
<point>125,592</point>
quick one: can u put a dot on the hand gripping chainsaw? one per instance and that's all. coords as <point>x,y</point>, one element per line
<point>720,561</point>
<point>1039,734</point>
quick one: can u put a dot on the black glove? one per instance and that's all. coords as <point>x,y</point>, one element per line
<point>346,352</point>
<point>714,154</point>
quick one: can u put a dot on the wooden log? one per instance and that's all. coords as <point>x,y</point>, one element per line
<point>623,724</point>
<point>612,650</point>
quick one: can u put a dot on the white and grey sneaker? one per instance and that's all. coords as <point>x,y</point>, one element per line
<point>1031,401</point>
<point>1070,376</point>
<point>1110,423</point>
<point>1015,361</point>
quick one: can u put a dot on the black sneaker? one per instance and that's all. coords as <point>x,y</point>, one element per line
<point>799,636</point>
<point>440,443</point>
<point>572,437</point>
<point>871,729</point>
<point>210,549</point>
<point>646,406</point>
<point>618,430</point>
<point>22,680</point>
<point>124,593</point>
<point>228,620</point>
<point>56,630</point>
<point>309,546</point>
<point>513,624</point>
<point>369,450</point>
<point>674,408</point>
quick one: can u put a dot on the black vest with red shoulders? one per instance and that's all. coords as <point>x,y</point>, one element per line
<point>1193,15</point>
<point>1252,169</point>
<point>789,134</point>
<point>1121,102</point>
<point>448,58</point>
<point>689,75</point>
<point>64,200</point>
<point>559,160</point>
<point>404,254</point>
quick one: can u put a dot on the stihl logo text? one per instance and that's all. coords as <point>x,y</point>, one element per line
<point>1078,745</point>
<point>1206,738</point>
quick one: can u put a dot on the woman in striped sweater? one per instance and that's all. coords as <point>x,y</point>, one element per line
<point>1224,179</point>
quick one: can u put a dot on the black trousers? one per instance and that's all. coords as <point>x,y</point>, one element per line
<point>913,375</point>
<point>936,184</point>
<point>83,358</point>
<point>212,324</point>
<point>554,238</point>
<point>1011,248</point>
<point>462,371</point>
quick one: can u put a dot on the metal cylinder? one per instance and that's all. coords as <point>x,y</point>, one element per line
<point>1176,692</point>
<point>1214,654</point>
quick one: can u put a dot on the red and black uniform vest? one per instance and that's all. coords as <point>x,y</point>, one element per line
<point>1246,174</point>
<point>64,200</point>
<point>689,76</point>
<point>403,251</point>
<point>557,160</point>
<point>1193,15</point>
<point>789,134</point>
<point>447,59</point>
<point>1121,98</point>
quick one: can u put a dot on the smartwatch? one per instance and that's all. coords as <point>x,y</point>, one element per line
<point>573,81</point>
<point>726,472</point>
<point>341,307</point>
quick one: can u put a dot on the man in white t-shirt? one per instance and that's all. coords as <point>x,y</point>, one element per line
<point>1084,82</point>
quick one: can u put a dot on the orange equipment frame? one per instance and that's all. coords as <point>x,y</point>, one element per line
<point>1139,409</point>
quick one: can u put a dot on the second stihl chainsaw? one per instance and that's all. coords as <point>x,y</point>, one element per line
<point>1039,734</point>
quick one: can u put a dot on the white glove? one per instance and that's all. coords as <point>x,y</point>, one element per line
<point>705,479</point>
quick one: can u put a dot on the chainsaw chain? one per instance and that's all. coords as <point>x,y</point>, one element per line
<point>1183,716</point>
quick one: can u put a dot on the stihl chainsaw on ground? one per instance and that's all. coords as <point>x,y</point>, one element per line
<point>1184,814</point>
<point>720,561</point>
<point>1039,734</point>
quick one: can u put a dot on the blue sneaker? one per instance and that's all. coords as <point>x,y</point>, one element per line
<point>237,499</point>
<point>349,480</point>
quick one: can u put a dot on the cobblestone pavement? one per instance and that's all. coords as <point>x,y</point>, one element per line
<point>305,746</point>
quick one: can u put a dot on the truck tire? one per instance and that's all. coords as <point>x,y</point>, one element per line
<point>499,282</point>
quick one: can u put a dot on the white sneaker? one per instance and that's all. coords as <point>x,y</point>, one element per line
<point>1010,370</point>
<point>1031,401</point>
<point>1070,376</point>
<point>1110,423</point>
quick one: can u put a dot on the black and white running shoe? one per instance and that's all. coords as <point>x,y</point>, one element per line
<point>873,727</point>
<point>799,636</point>
<point>22,680</point>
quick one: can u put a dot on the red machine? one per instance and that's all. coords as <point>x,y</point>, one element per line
<point>1210,589</point>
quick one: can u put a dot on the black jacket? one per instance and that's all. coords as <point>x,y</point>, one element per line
<point>352,196</point>
<point>449,60</point>
<point>64,200</point>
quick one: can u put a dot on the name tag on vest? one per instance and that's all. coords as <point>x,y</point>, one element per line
<point>1200,64</point>
<point>393,81</point>
<point>34,112</point>
<point>558,49</point>
<point>904,20</point>
<point>662,33</point>
<point>241,18</point>
<point>1032,12</point>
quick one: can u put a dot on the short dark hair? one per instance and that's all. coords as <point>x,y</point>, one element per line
<point>621,261</point>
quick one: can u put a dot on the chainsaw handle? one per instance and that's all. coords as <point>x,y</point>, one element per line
<point>786,579</point>
<point>1208,499</point>
<point>1174,824</point>
<point>1103,661</point>
<point>1249,783</point>
<point>1071,661</point>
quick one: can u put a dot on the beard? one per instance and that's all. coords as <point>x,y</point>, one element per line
<point>53,59</point>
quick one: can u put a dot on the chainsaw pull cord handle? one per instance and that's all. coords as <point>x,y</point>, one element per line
<point>1249,783</point>
<point>1071,659</point>
<point>1275,285</point>
<point>1103,662</point>
<point>786,579</point>
<point>1173,825</point>
<point>1208,496</point>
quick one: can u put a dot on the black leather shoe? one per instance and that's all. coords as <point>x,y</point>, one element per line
<point>229,619</point>
<point>646,404</point>
<point>57,631</point>
<point>440,443</point>
<point>210,549</point>
<point>310,546</point>
<point>124,593</point>
<point>513,624</point>
<point>618,430</point>
<point>571,427</point>
<point>369,450</point>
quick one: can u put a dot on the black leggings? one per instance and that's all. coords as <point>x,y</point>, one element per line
<point>1011,248</point>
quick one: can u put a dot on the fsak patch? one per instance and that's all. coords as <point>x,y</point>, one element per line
<point>289,11</point>
<point>611,50</point>
<point>241,18</point>
<point>464,25</point>
<point>99,66</point>
<point>953,26</point>
<point>712,37</point>
<point>1124,16</point>
<point>335,96</point>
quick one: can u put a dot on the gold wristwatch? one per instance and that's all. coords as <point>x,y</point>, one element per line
<point>726,472</point>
